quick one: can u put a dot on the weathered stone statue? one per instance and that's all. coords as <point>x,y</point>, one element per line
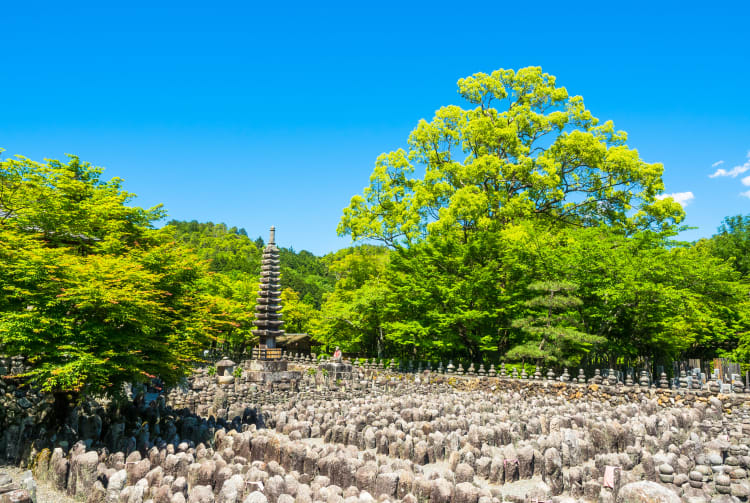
<point>336,358</point>
<point>336,367</point>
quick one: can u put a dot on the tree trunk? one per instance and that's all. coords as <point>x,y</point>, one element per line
<point>380,341</point>
<point>63,402</point>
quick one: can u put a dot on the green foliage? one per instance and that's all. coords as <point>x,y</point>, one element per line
<point>451,298</point>
<point>306,274</point>
<point>519,366</point>
<point>299,316</point>
<point>229,250</point>
<point>226,301</point>
<point>528,186</point>
<point>551,328</point>
<point>226,249</point>
<point>520,227</point>
<point>352,315</point>
<point>732,243</point>
<point>650,297</point>
<point>224,311</point>
<point>539,154</point>
<point>67,204</point>
<point>90,293</point>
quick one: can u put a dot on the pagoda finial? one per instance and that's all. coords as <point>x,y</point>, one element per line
<point>272,239</point>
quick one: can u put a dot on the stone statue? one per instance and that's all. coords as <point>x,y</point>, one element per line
<point>336,356</point>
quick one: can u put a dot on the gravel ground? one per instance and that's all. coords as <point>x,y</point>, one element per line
<point>44,492</point>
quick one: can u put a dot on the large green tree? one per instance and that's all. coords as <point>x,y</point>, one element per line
<point>452,299</point>
<point>69,204</point>
<point>525,152</point>
<point>526,149</point>
<point>90,293</point>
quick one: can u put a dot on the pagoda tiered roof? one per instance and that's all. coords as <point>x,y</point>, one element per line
<point>268,321</point>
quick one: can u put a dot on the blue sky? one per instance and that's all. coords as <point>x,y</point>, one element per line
<point>259,115</point>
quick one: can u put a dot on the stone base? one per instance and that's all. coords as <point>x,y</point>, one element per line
<point>267,365</point>
<point>337,370</point>
<point>271,372</point>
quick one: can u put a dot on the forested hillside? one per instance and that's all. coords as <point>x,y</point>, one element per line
<point>230,251</point>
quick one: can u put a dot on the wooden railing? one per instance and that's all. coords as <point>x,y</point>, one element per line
<point>266,353</point>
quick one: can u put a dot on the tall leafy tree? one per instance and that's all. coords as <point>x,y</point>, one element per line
<point>524,151</point>
<point>526,148</point>
<point>453,299</point>
<point>90,293</point>
<point>69,204</point>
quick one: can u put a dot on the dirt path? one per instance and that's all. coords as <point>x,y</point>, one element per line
<point>44,491</point>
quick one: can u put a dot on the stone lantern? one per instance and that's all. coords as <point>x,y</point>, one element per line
<point>224,371</point>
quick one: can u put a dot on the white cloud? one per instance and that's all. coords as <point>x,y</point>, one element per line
<point>734,172</point>
<point>746,181</point>
<point>717,163</point>
<point>684,198</point>
<point>745,194</point>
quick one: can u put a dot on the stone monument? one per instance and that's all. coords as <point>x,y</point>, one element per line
<point>224,371</point>
<point>268,309</point>
<point>336,367</point>
<point>267,365</point>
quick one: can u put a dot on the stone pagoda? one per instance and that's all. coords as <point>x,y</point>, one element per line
<point>267,367</point>
<point>268,309</point>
